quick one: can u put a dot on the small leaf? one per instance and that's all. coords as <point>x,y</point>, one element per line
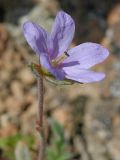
<point>57,149</point>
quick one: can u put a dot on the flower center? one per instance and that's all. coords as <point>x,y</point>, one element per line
<point>57,61</point>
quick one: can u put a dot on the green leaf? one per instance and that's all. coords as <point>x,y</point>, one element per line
<point>58,148</point>
<point>8,144</point>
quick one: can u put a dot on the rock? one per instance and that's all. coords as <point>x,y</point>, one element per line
<point>17,90</point>
<point>115,87</point>
<point>26,76</point>
<point>8,125</point>
<point>1,106</point>
<point>114,15</point>
<point>112,37</point>
<point>13,104</point>
<point>99,130</point>
<point>8,130</point>
<point>3,38</point>
<point>28,119</point>
<point>63,116</point>
<point>51,5</point>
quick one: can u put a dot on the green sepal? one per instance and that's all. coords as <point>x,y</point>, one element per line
<point>58,82</point>
<point>38,70</point>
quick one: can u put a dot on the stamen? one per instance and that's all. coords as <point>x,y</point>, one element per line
<point>60,59</point>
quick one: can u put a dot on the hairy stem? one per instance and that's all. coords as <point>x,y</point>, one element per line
<point>40,100</point>
<point>41,149</point>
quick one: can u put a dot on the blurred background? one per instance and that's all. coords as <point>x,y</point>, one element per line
<point>82,121</point>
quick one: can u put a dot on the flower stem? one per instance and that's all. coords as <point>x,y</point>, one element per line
<point>41,149</point>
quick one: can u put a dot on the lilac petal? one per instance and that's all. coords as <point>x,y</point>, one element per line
<point>36,37</point>
<point>45,62</point>
<point>83,76</point>
<point>62,33</point>
<point>87,55</point>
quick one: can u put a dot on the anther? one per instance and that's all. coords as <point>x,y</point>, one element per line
<point>66,54</point>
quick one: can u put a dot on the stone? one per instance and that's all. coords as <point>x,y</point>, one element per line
<point>28,119</point>
<point>26,76</point>
<point>17,89</point>
<point>114,15</point>
<point>51,5</point>
<point>13,105</point>
<point>3,38</point>
<point>99,130</point>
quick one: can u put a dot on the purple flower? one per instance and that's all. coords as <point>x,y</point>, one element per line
<point>55,56</point>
